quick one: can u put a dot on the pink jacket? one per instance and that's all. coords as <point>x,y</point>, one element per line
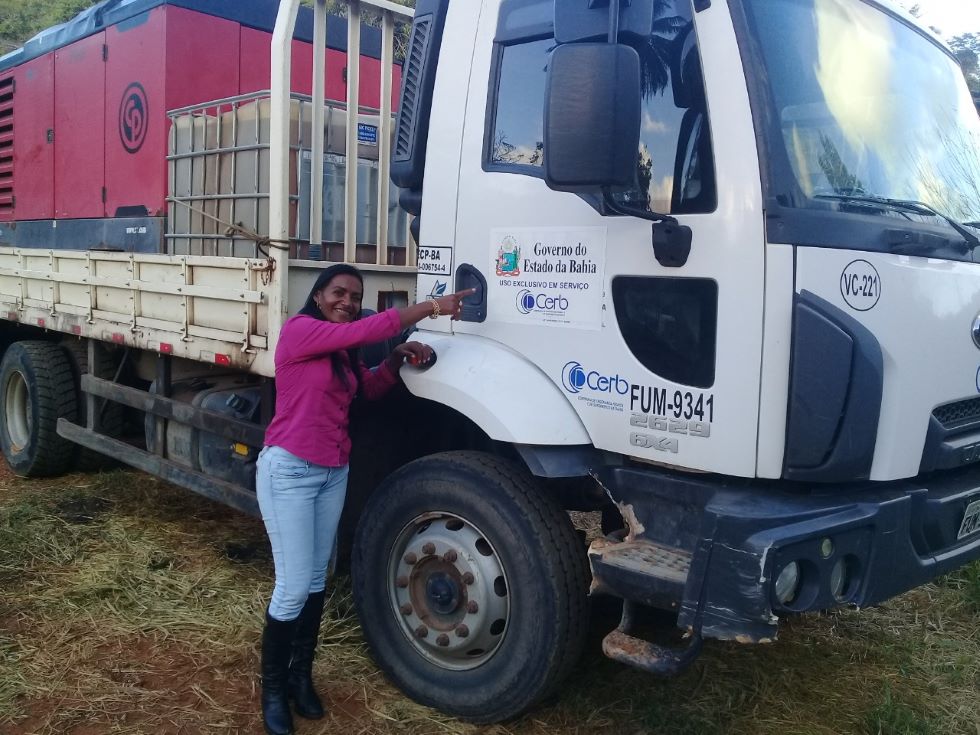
<point>312,404</point>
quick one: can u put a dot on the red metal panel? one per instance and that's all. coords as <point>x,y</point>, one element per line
<point>33,148</point>
<point>370,82</point>
<point>136,116</point>
<point>257,63</point>
<point>79,123</point>
<point>256,66</point>
<point>370,92</point>
<point>336,84</point>
<point>370,85</point>
<point>202,58</point>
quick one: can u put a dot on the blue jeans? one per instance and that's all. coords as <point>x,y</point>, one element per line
<point>301,504</point>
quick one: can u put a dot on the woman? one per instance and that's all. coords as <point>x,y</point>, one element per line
<point>301,477</point>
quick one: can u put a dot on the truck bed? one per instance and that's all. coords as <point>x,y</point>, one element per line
<point>207,309</point>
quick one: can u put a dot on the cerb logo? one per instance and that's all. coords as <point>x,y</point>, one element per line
<point>576,378</point>
<point>528,302</point>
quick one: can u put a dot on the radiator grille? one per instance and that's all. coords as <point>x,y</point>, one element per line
<point>7,148</point>
<point>412,83</point>
<point>956,414</point>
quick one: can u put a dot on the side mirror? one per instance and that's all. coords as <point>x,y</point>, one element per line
<point>592,117</point>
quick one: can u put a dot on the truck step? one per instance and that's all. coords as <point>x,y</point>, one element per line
<point>643,571</point>
<point>620,645</point>
<point>644,557</point>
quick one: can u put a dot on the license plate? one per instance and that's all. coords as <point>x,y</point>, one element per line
<point>971,520</point>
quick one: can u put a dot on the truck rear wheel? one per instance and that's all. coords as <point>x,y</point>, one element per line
<point>37,389</point>
<point>470,585</point>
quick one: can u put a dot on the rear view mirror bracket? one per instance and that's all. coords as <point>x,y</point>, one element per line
<point>671,239</point>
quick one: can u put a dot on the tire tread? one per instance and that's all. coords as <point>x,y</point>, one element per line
<point>54,389</point>
<point>568,566</point>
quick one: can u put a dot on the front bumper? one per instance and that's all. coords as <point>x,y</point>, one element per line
<point>738,535</point>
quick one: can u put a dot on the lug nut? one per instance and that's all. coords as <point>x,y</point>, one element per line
<point>472,607</point>
<point>462,631</point>
<point>406,608</point>
<point>429,548</point>
<point>450,556</point>
<point>468,578</point>
<point>411,559</point>
<point>421,632</point>
<point>442,640</point>
<point>402,582</point>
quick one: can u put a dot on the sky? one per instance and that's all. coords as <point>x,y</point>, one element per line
<point>952,17</point>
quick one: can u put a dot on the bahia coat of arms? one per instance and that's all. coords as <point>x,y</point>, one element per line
<point>509,257</point>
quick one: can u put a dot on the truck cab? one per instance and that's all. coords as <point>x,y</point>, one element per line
<point>724,254</point>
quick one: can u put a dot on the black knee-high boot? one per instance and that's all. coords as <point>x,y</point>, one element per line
<point>277,639</point>
<point>305,637</point>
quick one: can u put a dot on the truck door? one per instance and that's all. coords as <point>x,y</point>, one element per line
<point>661,363</point>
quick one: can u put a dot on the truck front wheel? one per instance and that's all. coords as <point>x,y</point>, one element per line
<point>471,586</point>
<point>37,388</point>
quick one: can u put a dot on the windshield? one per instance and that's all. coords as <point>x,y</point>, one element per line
<point>864,105</point>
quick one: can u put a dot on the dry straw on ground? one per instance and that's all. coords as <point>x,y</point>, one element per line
<point>129,606</point>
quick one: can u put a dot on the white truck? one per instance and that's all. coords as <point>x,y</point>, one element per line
<point>724,253</point>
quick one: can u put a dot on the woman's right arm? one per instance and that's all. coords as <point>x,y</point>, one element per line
<point>303,338</point>
<point>434,307</point>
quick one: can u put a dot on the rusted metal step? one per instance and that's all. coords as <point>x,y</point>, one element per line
<point>620,645</point>
<point>645,557</point>
<point>647,572</point>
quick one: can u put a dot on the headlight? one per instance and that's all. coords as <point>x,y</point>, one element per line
<point>840,579</point>
<point>788,583</point>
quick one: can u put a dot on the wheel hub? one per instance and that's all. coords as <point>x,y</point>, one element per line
<point>17,411</point>
<point>442,593</point>
<point>449,591</point>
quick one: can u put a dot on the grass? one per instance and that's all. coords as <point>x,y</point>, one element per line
<point>129,606</point>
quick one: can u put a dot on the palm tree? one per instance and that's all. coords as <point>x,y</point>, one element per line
<point>659,47</point>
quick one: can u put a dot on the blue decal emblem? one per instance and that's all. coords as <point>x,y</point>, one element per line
<point>439,289</point>
<point>573,377</point>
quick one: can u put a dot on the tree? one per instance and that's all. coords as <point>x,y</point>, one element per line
<point>368,17</point>
<point>838,176</point>
<point>966,46</point>
<point>656,52</point>
<point>916,12</point>
<point>19,20</point>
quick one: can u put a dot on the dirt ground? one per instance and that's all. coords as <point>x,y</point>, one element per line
<point>129,606</point>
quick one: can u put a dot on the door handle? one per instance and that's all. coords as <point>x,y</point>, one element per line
<point>474,308</point>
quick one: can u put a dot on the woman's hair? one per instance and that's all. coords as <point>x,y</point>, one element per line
<point>311,309</point>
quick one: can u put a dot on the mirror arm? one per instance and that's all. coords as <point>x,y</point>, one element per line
<point>614,206</point>
<point>614,21</point>
<point>671,239</point>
